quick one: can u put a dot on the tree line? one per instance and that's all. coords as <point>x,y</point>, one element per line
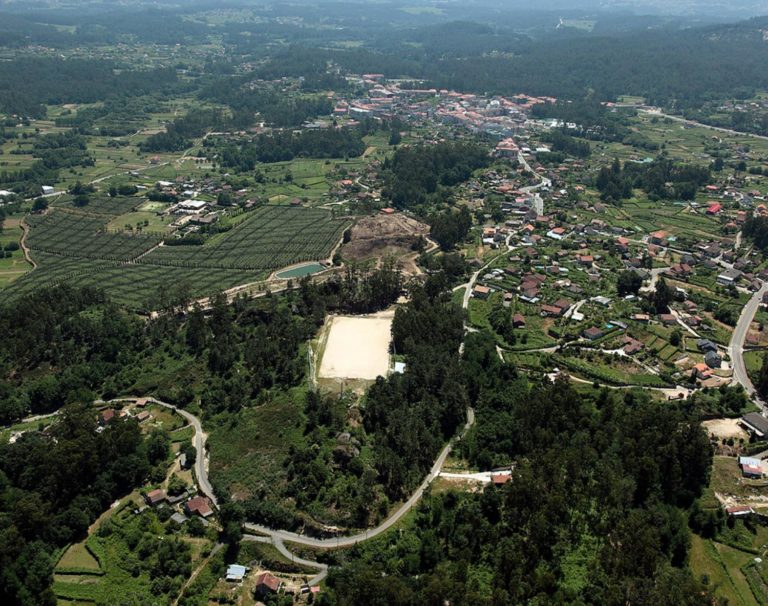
<point>280,146</point>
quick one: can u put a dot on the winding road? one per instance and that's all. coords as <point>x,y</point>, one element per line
<point>279,537</point>
<point>736,346</point>
<point>538,201</point>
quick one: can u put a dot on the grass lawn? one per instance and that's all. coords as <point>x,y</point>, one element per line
<point>716,561</point>
<point>753,361</point>
<point>79,557</point>
<point>154,222</point>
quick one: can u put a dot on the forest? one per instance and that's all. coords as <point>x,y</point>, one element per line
<point>281,146</point>
<point>595,512</point>
<point>421,175</point>
<point>41,80</point>
<point>661,179</point>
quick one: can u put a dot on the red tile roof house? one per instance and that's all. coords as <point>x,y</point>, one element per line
<point>632,346</point>
<point>500,479</point>
<point>153,497</point>
<point>658,237</point>
<point>518,321</point>
<point>481,292</point>
<point>106,416</point>
<point>199,505</point>
<point>266,584</point>
<point>550,310</point>
<point>714,208</point>
<point>143,416</point>
<point>702,371</point>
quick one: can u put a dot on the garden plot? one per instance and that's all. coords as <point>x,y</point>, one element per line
<point>357,347</point>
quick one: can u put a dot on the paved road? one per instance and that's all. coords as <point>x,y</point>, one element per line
<point>657,112</point>
<point>394,518</point>
<point>198,441</point>
<point>736,346</point>
<point>538,201</point>
<point>471,284</point>
<point>278,537</point>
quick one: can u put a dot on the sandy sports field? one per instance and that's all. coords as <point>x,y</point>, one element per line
<point>357,347</point>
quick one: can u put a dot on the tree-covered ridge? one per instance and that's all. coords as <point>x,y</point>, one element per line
<point>97,348</point>
<point>40,81</point>
<point>53,485</point>
<point>595,511</point>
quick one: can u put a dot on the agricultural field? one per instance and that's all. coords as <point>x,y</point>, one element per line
<point>270,238</point>
<point>13,264</point>
<point>75,246</point>
<point>72,233</point>
<point>109,565</point>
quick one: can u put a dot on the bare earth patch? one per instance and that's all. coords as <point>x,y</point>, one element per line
<point>357,347</point>
<point>382,236</point>
<point>725,428</point>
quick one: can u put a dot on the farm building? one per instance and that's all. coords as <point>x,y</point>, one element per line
<point>756,424</point>
<point>236,572</point>
<point>751,467</point>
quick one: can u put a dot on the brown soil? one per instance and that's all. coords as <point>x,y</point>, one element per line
<point>382,236</point>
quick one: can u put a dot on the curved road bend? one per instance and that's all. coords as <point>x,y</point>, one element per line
<point>278,537</point>
<point>736,346</point>
<point>394,518</point>
<point>198,441</point>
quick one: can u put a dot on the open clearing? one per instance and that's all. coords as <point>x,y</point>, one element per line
<point>381,236</point>
<point>358,347</point>
<point>725,428</point>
